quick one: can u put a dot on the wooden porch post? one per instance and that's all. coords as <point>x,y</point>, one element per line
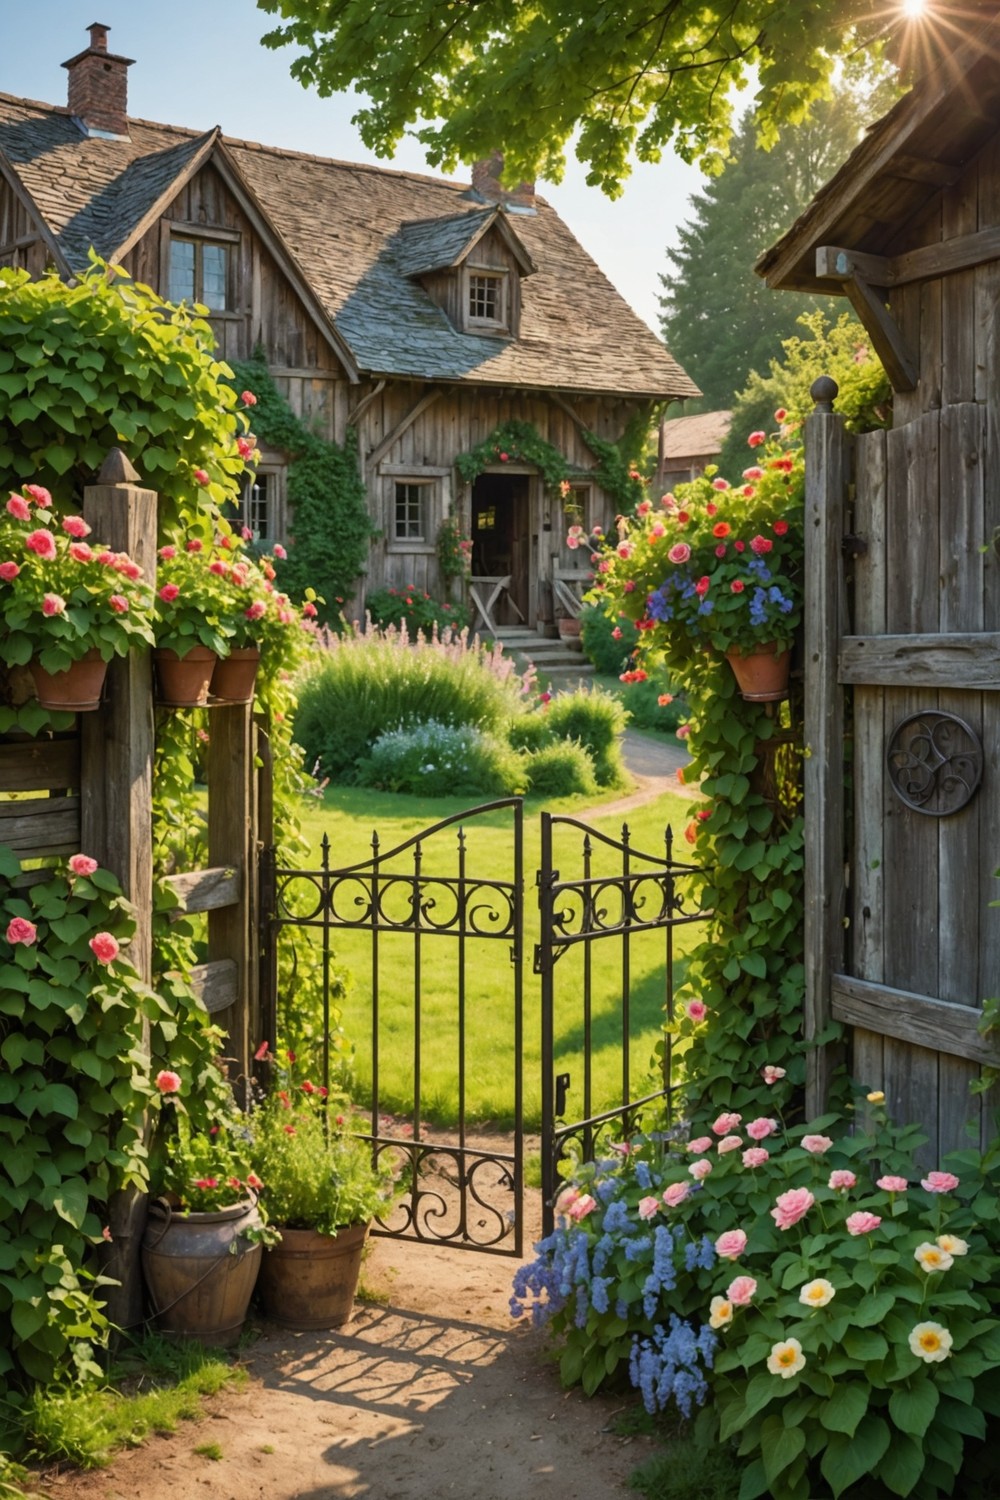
<point>827,474</point>
<point>116,782</point>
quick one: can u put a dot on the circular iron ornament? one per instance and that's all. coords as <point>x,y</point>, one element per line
<point>935,762</point>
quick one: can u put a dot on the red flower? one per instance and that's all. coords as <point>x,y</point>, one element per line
<point>289,1129</point>
<point>308,1088</point>
<point>629,586</point>
<point>19,508</point>
<point>165,553</point>
<point>75,526</point>
<point>80,552</point>
<point>664,699</point>
<point>253,1181</point>
<point>119,604</point>
<point>786,465</point>
<point>756,438</point>
<point>169,593</point>
<point>168,1082</point>
<point>503,458</point>
<point>691,832</point>
<point>279,551</point>
<point>245,446</point>
<point>740,546</point>
<point>780,414</point>
<point>9,571</point>
<point>42,542</point>
<point>201,476</point>
<point>39,494</point>
<point>721,528</point>
<point>720,550</point>
<point>737,586</point>
<point>760,545</point>
<point>233,1182</point>
<point>780,528</point>
<point>20,930</point>
<point>53,604</point>
<point>682,518</point>
<point>206,1183</point>
<point>261,1052</point>
<point>194,545</point>
<point>309,609</point>
<point>703,585</point>
<point>248,398</point>
<point>104,947</point>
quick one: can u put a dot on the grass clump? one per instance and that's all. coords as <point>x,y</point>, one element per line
<point>371,681</point>
<point>595,720</point>
<point>563,768</point>
<point>154,1388</point>
<point>686,1469</point>
<point>441,760</point>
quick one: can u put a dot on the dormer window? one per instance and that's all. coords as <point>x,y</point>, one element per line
<point>486,299</point>
<point>200,266</point>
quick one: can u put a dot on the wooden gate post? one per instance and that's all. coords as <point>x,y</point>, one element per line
<point>825,614</point>
<point>116,783</point>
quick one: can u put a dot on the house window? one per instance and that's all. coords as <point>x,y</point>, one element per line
<point>486,299</point>
<point>199,272</point>
<point>411,521</point>
<point>257,505</point>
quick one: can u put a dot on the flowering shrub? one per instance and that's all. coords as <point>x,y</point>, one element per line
<point>836,1302</point>
<point>442,760</point>
<point>717,565</point>
<point>454,550</point>
<point>415,608</point>
<point>60,594</point>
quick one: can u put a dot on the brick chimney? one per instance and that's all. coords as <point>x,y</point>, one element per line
<point>98,87</point>
<point>486,182</point>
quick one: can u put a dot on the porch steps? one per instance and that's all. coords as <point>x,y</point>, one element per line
<point>564,666</point>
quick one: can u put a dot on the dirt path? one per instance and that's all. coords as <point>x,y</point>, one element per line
<point>653,761</point>
<point>434,1394</point>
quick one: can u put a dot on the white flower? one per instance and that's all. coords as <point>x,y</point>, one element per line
<point>952,1245</point>
<point>817,1293</point>
<point>932,1257</point>
<point>786,1359</point>
<point>720,1313</point>
<point>930,1342</point>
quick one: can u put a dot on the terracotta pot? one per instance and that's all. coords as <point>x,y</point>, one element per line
<point>761,673</point>
<point>309,1279</point>
<point>569,632</point>
<point>201,1270</point>
<point>234,675</point>
<point>77,690</point>
<point>182,681</point>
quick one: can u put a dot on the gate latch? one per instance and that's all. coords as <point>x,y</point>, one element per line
<point>853,546</point>
<point>562,1089</point>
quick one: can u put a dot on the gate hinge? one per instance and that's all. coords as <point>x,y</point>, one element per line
<point>854,546</point>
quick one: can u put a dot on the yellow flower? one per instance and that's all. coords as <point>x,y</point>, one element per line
<point>930,1342</point>
<point>786,1359</point>
<point>876,1097</point>
<point>952,1245</point>
<point>932,1257</point>
<point>817,1293</point>
<point>721,1313</point>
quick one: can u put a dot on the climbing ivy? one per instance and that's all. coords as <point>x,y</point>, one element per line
<point>521,442</point>
<point>332,526</point>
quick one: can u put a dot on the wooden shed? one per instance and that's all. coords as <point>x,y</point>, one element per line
<point>903,631</point>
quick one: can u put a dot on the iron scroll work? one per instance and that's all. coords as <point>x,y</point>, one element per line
<point>455,1188</point>
<point>935,762</point>
<point>619,894</point>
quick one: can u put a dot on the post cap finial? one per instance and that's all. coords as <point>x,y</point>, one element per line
<point>116,469</point>
<point>824,391</point>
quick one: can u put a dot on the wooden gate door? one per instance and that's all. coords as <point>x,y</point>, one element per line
<point>903,669</point>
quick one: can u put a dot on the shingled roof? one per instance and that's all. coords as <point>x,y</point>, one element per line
<point>355,234</point>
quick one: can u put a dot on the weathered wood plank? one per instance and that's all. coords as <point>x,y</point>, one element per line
<point>959,252</point>
<point>827,470</point>
<point>866,933</point>
<point>959,218</point>
<point>890,344</point>
<point>206,890</point>
<point>41,826</point>
<point>39,765</point>
<point>918,1020</point>
<point>969,660</point>
<point>216,984</point>
<point>230,815</point>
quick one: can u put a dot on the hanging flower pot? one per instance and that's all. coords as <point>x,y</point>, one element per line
<point>234,675</point>
<point>762,672</point>
<point>200,1270</point>
<point>75,690</point>
<point>309,1279</point>
<point>183,681</point>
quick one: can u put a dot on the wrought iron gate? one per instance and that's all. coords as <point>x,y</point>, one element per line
<point>431,890</point>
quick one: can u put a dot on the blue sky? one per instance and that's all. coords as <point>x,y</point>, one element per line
<point>199,63</point>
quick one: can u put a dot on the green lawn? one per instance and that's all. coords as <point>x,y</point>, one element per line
<point>349,816</point>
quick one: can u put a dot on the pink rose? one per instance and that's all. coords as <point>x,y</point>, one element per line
<point>104,947</point>
<point>18,508</point>
<point>697,1010</point>
<point>720,484</point>
<point>245,446</point>
<point>166,553</point>
<point>82,864</point>
<point>754,472</point>
<point>760,545</point>
<point>9,571</point>
<point>675,1193</point>
<point>581,1207</point>
<point>939,1182</point>
<point>771,1074</point>
<point>790,1207</point>
<point>756,1156</point>
<point>741,1291</point>
<point>565,1199</point>
<point>194,545</point>
<point>648,1207</point>
<point>841,1180</point>
<point>817,1144</point>
<point>700,1143</point>
<point>726,1122</point>
<point>169,593</point>
<point>119,604</point>
<point>892,1184</point>
<point>756,438</point>
<point>75,526</point>
<point>309,610</point>
<point>248,398</point>
<point>279,551</point>
<point>42,542</point>
<point>201,476</point>
<point>862,1223</point>
<point>39,494</point>
<point>53,604</point>
<point>759,1130</point>
<point>80,552</point>
<point>20,930</point>
<point>167,1082</point>
<point>731,1245</point>
<point>679,552</point>
<point>729,1143</point>
<point>700,1169</point>
<point>256,609</point>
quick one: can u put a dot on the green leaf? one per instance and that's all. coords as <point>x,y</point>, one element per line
<point>902,1465</point>
<point>69,1201</point>
<point>865,1344</point>
<point>779,1446</point>
<point>760,1391</point>
<point>961,1418</point>
<point>872,1309</point>
<point>754,1482</point>
<point>845,1408</point>
<point>912,1408</point>
<point>847,1460</point>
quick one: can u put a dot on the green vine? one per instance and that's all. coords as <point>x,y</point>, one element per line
<point>521,442</point>
<point>327,499</point>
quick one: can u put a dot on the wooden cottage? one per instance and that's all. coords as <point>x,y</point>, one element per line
<point>903,633</point>
<point>421,313</point>
<point>687,445</point>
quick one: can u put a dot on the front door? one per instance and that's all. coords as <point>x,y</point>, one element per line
<point>501,540</point>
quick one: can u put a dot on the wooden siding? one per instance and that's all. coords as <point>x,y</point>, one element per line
<point>21,244</point>
<point>449,288</point>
